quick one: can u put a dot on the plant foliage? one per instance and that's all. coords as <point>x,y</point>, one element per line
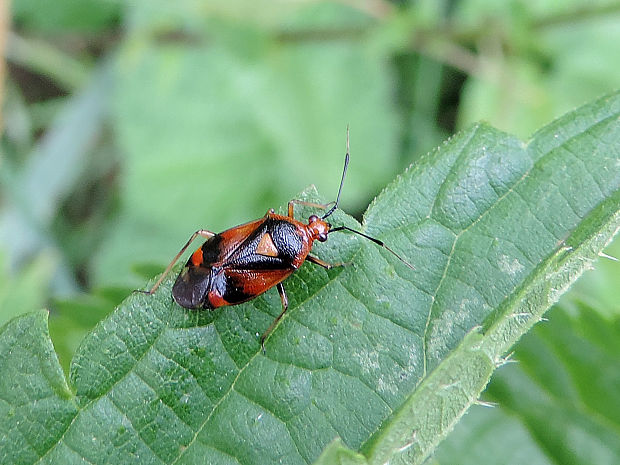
<point>382,357</point>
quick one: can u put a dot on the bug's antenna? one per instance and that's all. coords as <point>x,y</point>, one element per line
<point>344,172</point>
<point>375,240</point>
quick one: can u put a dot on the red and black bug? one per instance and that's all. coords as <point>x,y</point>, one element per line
<point>243,262</point>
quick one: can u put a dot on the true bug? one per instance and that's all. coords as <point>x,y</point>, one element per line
<point>242,262</point>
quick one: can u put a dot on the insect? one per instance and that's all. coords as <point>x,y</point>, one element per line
<point>243,262</point>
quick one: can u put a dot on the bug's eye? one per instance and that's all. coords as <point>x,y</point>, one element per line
<point>322,237</point>
<point>312,218</point>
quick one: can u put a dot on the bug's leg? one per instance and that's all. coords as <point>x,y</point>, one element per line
<point>284,300</point>
<point>201,232</point>
<point>294,202</point>
<point>327,266</point>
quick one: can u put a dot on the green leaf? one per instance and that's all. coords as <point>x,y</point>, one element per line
<point>36,405</point>
<point>386,358</point>
<point>510,258</point>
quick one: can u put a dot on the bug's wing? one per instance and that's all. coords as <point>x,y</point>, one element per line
<point>231,240</point>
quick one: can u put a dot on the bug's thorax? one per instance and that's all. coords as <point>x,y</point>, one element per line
<point>317,229</point>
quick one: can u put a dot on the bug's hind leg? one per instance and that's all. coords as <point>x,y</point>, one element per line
<point>201,232</point>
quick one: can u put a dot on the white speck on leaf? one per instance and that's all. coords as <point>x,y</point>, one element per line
<point>511,267</point>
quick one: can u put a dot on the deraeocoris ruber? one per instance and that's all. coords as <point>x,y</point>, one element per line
<point>243,262</point>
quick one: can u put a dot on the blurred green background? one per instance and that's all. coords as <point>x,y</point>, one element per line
<point>128,125</point>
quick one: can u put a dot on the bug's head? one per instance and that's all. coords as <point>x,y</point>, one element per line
<point>319,228</point>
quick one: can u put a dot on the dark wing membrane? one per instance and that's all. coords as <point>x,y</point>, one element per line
<point>192,286</point>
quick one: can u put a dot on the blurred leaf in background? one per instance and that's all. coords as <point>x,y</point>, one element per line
<point>221,120</point>
<point>65,16</point>
<point>26,290</point>
<point>127,126</point>
<point>559,403</point>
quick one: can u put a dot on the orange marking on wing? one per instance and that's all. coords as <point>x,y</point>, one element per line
<point>267,247</point>
<point>197,257</point>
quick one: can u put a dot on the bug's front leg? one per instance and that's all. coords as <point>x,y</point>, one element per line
<point>284,300</point>
<point>292,203</point>
<point>327,266</point>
